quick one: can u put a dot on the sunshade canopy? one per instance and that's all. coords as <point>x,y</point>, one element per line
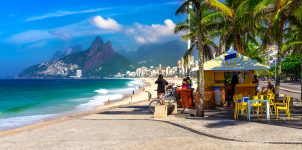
<point>232,61</point>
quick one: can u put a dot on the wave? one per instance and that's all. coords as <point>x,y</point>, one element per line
<point>99,100</point>
<point>111,94</point>
<point>101,91</point>
<point>14,122</point>
<point>135,83</point>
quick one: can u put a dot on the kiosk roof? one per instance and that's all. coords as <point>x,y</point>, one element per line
<point>233,61</point>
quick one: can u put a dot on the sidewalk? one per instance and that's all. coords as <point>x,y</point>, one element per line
<point>133,127</point>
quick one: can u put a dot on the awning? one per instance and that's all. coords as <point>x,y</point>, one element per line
<point>232,61</point>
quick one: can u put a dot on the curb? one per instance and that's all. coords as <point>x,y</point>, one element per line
<point>290,90</point>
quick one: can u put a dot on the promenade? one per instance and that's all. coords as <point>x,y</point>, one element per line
<point>132,126</point>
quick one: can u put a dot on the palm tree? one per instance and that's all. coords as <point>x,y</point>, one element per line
<point>238,24</point>
<point>210,48</point>
<point>277,12</point>
<point>196,8</point>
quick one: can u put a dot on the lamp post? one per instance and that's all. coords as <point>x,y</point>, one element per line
<point>188,68</point>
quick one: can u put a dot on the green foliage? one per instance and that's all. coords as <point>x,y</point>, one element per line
<point>265,73</point>
<point>291,66</point>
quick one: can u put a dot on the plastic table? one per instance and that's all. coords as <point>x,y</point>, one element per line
<point>253,101</point>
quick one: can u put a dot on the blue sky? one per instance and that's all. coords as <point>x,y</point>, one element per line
<point>32,30</point>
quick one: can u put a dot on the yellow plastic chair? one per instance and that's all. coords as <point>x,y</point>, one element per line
<point>272,104</point>
<point>240,105</point>
<point>281,103</point>
<point>257,105</point>
<point>284,107</point>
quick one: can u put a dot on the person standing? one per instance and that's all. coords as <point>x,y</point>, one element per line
<point>233,87</point>
<point>255,80</point>
<point>161,84</point>
<point>189,81</point>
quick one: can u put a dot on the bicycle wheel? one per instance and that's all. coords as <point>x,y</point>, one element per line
<point>152,105</point>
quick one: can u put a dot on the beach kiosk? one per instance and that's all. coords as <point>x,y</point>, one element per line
<point>218,74</point>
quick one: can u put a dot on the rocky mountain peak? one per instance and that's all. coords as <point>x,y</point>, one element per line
<point>96,46</point>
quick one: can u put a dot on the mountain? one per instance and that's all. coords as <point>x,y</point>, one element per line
<point>65,52</point>
<point>99,60</point>
<point>167,53</point>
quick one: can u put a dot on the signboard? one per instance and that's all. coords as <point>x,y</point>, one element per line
<point>230,56</point>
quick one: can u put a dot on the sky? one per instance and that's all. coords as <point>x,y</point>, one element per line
<point>31,31</point>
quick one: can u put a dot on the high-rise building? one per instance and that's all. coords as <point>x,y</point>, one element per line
<point>79,73</point>
<point>272,55</point>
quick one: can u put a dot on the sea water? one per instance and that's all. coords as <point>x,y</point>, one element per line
<point>24,102</point>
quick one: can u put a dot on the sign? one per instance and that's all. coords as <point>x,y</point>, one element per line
<point>230,56</point>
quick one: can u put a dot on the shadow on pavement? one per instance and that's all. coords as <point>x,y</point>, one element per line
<point>223,117</point>
<point>131,110</point>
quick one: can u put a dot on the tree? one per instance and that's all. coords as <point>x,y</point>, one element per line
<point>291,66</point>
<point>238,25</point>
<point>196,8</point>
<point>210,48</point>
<point>277,12</point>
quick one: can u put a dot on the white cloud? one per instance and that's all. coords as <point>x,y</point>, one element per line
<point>37,45</point>
<point>103,23</point>
<point>141,33</point>
<point>173,3</point>
<point>152,33</point>
<point>30,36</point>
<point>65,13</point>
<point>80,29</point>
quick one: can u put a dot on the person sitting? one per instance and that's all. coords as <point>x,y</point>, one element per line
<point>269,86</point>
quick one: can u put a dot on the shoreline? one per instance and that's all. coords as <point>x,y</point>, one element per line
<point>126,100</point>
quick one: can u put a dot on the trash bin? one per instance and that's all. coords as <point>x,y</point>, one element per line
<point>187,97</point>
<point>217,94</point>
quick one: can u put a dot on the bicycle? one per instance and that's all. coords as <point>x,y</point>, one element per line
<point>170,97</point>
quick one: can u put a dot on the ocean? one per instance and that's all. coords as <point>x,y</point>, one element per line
<point>25,102</point>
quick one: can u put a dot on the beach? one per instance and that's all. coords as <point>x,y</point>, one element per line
<point>139,95</point>
<point>127,124</point>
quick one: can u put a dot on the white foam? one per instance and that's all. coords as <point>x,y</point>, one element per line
<point>99,100</point>
<point>101,91</point>
<point>14,122</point>
<point>111,94</point>
<point>135,83</point>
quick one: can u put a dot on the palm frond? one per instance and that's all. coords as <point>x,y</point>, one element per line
<point>212,18</point>
<point>288,46</point>
<point>188,54</point>
<point>262,6</point>
<point>183,8</point>
<point>182,26</point>
<point>227,11</point>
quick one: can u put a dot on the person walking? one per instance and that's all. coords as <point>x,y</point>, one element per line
<point>161,84</point>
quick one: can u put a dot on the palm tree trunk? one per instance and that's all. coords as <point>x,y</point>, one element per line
<point>301,73</point>
<point>238,44</point>
<point>278,69</point>
<point>200,45</point>
<point>221,48</point>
